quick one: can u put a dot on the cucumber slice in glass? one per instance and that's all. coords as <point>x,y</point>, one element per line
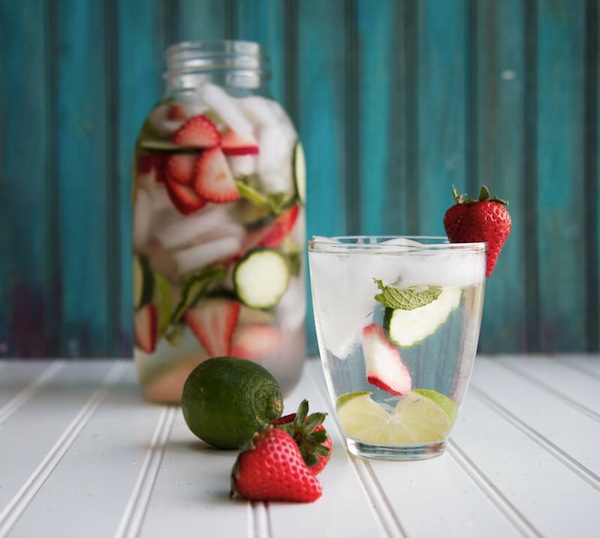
<point>405,328</point>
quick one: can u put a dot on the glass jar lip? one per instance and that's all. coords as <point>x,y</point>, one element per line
<point>390,244</point>
<point>216,46</point>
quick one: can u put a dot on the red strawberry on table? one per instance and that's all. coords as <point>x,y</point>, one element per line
<point>485,219</point>
<point>270,468</point>
<point>310,436</point>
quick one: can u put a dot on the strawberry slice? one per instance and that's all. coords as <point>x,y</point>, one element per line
<point>385,368</point>
<point>145,327</point>
<point>184,198</point>
<point>198,132</point>
<point>239,144</point>
<point>254,342</point>
<point>213,322</point>
<point>179,168</point>
<point>281,228</point>
<point>213,179</point>
<point>175,112</point>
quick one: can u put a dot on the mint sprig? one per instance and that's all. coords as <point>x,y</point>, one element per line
<point>406,298</point>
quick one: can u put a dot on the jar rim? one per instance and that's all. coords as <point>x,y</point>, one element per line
<point>216,47</point>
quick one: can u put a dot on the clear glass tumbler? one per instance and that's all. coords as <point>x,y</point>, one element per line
<point>397,322</point>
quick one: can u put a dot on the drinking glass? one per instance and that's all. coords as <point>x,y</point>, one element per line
<point>397,321</point>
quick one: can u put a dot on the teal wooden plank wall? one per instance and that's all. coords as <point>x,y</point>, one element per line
<point>395,102</point>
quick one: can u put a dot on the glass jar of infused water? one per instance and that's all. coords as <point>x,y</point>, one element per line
<point>218,222</point>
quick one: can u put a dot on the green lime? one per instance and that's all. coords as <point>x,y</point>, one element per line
<point>445,402</point>
<point>226,399</point>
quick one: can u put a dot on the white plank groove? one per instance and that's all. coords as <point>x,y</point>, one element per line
<point>133,516</point>
<point>15,508</point>
<point>578,388</point>
<point>26,392</point>
<point>553,418</point>
<point>82,454</point>
<point>521,524</point>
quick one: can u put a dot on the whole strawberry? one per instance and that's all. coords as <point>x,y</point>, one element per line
<point>485,219</point>
<point>270,468</point>
<point>310,436</point>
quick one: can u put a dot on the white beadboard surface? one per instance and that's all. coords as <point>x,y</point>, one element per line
<point>82,454</point>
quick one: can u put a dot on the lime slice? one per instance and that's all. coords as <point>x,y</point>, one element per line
<point>347,396</point>
<point>445,402</point>
<point>415,420</point>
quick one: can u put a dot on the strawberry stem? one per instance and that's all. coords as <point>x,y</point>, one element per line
<point>484,194</point>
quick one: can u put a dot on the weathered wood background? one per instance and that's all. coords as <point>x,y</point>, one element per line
<point>395,102</point>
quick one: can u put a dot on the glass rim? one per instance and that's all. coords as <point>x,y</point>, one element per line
<point>371,243</point>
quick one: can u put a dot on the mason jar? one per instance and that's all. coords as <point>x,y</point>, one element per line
<point>218,222</point>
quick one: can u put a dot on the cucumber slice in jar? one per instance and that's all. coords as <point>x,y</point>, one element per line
<point>261,278</point>
<point>405,328</point>
<point>299,167</point>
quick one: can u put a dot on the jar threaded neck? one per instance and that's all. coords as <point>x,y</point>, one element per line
<point>244,63</point>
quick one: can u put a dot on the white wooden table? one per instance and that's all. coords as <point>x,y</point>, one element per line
<point>83,455</point>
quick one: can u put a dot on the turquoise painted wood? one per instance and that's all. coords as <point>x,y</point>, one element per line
<point>395,102</point>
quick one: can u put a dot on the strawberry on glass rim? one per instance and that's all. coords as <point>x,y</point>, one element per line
<point>483,220</point>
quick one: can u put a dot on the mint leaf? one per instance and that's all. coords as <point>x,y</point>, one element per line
<point>406,298</point>
<point>194,288</point>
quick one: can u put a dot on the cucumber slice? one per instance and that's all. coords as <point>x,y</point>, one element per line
<point>261,278</point>
<point>405,328</point>
<point>143,281</point>
<point>299,167</point>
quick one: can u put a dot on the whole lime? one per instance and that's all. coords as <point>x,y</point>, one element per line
<point>226,399</point>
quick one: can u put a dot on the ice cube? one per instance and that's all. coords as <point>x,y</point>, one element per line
<point>275,158</point>
<point>344,300</point>
<point>243,165</point>
<point>192,104</point>
<point>291,309</point>
<point>259,110</point>
<point>200,256</point>
<point>211,222</point>
<point>227,108</point>
<point>435,268</point>
<point>160,123</point>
